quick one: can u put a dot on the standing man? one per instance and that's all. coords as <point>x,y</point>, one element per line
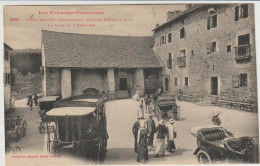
<point>215,119</point>
<point>160,141</point>
<point>30,101</point>
<point>135,130</point>
<point>171,135</point>
<point>151,130</point>
<point>35,99</point>
<point>141,110</point>
<point>142,143</point>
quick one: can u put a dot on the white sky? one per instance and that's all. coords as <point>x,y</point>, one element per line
<point>24,34</point>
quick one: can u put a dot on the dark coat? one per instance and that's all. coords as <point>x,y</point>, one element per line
<point>161,131</point>
<point>151,126</point>
<point>135,128</point>
<point>216,120</point>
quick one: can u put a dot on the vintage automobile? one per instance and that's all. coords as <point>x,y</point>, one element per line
<point>78,124</point>
<point>45,104</point>
<point>166,104</point>
<point>217,144</point>
<point>15,127</point>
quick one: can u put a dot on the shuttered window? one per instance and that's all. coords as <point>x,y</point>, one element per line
<point>235,81</point>
<point>241,12</point>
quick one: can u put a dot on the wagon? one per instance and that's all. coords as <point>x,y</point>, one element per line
<point>217,144</point>
<point>78,125</point>
<point>166,104</point>
<point>15,127</point>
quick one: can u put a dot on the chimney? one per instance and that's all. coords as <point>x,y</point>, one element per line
<point>189,6</point>
<point>171,15</point>
<point>157,25</point>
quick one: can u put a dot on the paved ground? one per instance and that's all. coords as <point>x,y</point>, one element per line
<point>121,114</point>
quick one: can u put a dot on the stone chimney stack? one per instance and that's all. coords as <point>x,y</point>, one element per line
<point>171,15</point>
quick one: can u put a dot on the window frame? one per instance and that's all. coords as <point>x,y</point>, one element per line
<point>240,12</point>
<point>186,81</point>
<point>182,33</point>
<point>243,80</point>
<point>169,37</point>
<point>211,16</point>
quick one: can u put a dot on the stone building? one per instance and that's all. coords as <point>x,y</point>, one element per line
<point>73,63</point>
<point>7,78</point>
<point>208,50</point>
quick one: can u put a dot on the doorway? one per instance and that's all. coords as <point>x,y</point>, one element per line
<point>214,85</point>
<point>123,83</point>
<point>166,84</point>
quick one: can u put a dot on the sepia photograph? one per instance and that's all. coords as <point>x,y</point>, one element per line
<point>130,84</point>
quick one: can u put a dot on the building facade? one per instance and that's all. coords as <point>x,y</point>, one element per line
<point>7,78</point>
<point>117,65</point>
<point>209,51</point>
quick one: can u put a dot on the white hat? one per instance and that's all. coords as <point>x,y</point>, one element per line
<point>171,121</point>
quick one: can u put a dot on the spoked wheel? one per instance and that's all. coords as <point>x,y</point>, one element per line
<point>203,157</point>
<point>24,128</point>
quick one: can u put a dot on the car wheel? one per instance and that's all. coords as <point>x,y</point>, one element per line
<point>203,157</point>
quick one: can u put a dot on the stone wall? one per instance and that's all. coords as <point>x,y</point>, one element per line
<point>87,78</point>
<point>201,65</point>
<point>53,82</point>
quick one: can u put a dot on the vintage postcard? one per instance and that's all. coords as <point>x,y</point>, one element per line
<point>128,84</point>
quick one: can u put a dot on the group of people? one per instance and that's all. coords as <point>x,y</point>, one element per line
<point>31,100</point>
<point>144,131</point>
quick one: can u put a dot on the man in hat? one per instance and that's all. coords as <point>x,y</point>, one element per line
<point>171,135</point>
<point>160,138</point>
<point>215,119</point>
<point>151,130</point>
<point>135,130</point>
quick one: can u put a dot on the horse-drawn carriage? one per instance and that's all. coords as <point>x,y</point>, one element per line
<point>78,125</point>
<point>216,143</point>
<point>166,104</point>
<point>15,127</point>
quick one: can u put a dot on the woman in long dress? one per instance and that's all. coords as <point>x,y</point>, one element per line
<point>142,143</point>
<point>170,137</point>
<point>162,132</point>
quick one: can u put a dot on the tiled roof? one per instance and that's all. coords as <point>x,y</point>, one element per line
<point>187,11</point>
<point>98,51</point>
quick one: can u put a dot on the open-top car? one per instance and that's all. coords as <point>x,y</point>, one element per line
<point>166,104</point>
<point>216,143</point>
<point>78,125</point>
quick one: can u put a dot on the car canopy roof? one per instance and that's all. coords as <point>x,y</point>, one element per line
<point>71,111</point>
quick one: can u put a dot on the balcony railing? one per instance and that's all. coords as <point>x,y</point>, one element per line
<point>181,61</point>
<point>243,51</point>
<point>169,63</point>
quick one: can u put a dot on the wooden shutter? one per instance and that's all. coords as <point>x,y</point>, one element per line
<point>209,48</point>
<point>235,81</point>
<point>236,13</point>
<point>245,11</point>
<point>208,23</point>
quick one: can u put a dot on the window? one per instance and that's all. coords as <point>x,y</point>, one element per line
<point>229,48</point>
<point>241,12</point>
<point>175,81</point>
<point>169,37</point>
<point>182,53</point>
<point>182,33</point>
<point>239,81</point>
<point>6,55</point>
<point>192,52</point>
<point>186,81</point>
<point>243,80</point>
<point>212,47</point>
<point>7,78</point>
<point>212,20</point>
<point>243,50</point>
<point>162,40</point>
<point>170,59</point>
